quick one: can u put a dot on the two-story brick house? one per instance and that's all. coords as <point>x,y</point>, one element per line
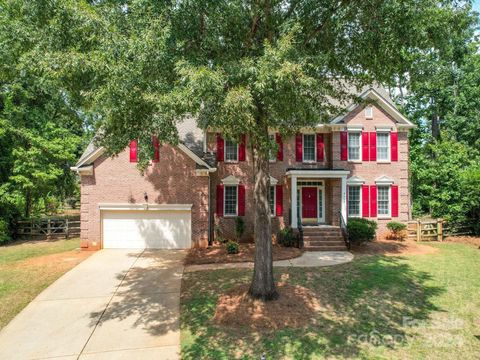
<point>354,166</point>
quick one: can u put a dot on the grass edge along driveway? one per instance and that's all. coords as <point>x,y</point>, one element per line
<point>411,307</point>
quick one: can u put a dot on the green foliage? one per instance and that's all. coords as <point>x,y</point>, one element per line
<point>232,247</point>
<point>397,229</point>
<point>286,237</point>
<point>361,230</point>
<point>4,231</point>
<point>239,227</point>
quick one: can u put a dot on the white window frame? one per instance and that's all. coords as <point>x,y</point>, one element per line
<point>272,156</point>
<point>273,211</point>
<point>360,146</point>
<point>225,200</point>
<point>360,210</point>
<point>369,112</point>
<point>389,151</point>
<point>389,197</point>
<point>314,148</point>
<point>225,152</point>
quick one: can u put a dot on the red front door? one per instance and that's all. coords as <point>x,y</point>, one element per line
<point>309,202</point>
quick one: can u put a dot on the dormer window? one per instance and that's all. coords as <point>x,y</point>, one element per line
<point>369,112</point>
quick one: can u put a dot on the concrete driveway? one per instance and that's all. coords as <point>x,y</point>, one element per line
<point>117,304</point>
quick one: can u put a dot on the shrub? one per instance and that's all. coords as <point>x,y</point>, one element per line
<point>232,247</point>
<point>218,235</point>
<point>287,238</point>
<point>361,230</point>
<point>397,229</point>
<point>4,231</point>
<point>239,227</point>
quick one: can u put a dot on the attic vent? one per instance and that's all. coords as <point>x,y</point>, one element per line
<point>369,112</point>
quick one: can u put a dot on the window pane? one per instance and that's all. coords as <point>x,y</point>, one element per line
<point>271,200</point>
<point>309,147</point>
<point>354,146</point>
<point>230,151</point>
<point>230,200</point>
<point>383,146</point>
<point>320,203</point>
<point>273,155</point>
<point>383,201</point>
<point>354,201</point>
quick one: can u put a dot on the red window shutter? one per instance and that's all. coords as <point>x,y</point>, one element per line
<point>394,192</point>
<point>299,147</point>
<point>343,146</point>
<point>365,201</point>
<point>219,200</point>
<point>156,146</point>
<point>278,139</point>
<point>279,200</point>
<point>242,148</point>
<point>241,200</point>
<point>220,147</point>
<point>133,151</point>
<point>373,146</point>
<point>365,146</point>
<point>394,146</point>
<point>320,147</point>
<point>373,201</point>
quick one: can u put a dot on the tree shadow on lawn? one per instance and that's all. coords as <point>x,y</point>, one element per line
<point>369,301</point>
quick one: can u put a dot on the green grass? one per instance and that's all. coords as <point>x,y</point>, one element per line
<point>23,273</point>
<point>415,307</point>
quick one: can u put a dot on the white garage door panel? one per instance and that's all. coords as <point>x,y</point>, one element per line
<point>147,229</point>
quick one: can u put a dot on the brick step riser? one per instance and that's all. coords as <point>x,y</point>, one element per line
<point>316,244</point>
<point>326,248</point>
<point>323,234</point>
<point>321,237</point>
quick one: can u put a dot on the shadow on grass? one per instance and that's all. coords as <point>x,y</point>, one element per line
<point>368,301</point>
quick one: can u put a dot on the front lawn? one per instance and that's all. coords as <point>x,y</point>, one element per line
<point>411,307</point>
<point>28,268</point>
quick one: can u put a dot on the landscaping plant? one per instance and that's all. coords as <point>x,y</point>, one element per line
<point>361,230</point>
<point>232,247</point>
<point>397,229</point>
<point>286,237</point>
<point>239,227</point>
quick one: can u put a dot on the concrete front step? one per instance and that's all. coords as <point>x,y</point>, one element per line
<point>324,243</point>
<point>326,248</point>
<point>322,237</point>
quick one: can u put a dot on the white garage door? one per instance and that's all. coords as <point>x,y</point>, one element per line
<point>152,229</point>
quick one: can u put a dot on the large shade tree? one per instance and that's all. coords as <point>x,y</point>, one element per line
<point>243,67</point>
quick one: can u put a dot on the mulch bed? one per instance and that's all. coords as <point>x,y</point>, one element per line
<point>392,248</point>
<point>469,240</point>
<point>218,254</point>
<point>296,307</point>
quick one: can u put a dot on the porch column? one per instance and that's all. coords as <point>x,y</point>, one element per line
<point>343,207</point>
<point>293,205</point>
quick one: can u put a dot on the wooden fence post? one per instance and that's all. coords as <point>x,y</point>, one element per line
<point>419,230</point>
<point>49,230</point>
<point>66,228</point>
<point>440,230</point>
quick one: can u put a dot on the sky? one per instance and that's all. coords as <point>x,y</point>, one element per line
<point>476,5</point>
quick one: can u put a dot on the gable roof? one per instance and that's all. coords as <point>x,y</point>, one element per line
<point>381,98</point>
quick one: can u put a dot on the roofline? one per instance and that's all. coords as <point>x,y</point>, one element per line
<point>392,110</point>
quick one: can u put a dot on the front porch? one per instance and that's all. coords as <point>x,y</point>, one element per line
<point>317,197</point>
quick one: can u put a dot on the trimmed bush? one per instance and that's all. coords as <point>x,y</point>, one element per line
<point>232,247</point>
<point>361,230</point>
<point>4,232</point>
<point>286,237</point>
<point>239,227</point>
<point>397,229</point>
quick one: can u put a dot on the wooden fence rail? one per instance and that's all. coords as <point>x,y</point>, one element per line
<point>48,228</point>
<point>435,230</point>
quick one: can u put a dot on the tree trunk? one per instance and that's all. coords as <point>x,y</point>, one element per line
<point>28,203</point>
<point>436,127</point>
<point>263,285</point>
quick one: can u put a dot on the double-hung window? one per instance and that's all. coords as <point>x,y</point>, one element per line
<point>231,200</point>
<point>231,151</point>
<point>271,200</point>
<point>272,156</point>
<point>383,146</point>
<point>354,146</point>
<point>354,201</point>
<point>309,148</point>
<point>383,201</point>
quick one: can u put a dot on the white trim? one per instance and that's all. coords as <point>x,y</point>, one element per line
<point>360,146</point>
<point>225,197</point>
<point>225,152</point>
<point>194,156</point>
<point>372,94</point>
<point>384,180</point>
<point>273,181</point>
<point>230,180</point>
<point>389,207</point>
<point>384,128</point>
<point>143,207</point>
<point>355,181</point>
<point>360,207</point>
<point>91,157</point>
<point>274,159</point>
<point>369,112</point>
<point>326,174</point>
<point>274,213</point>
<point>318,187</point>
<point>389,145</point>
<point>83,171</point>
<point>314,148</point>
<point>354,128</point>
<point>293,194</point>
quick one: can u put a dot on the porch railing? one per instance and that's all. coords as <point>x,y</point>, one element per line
<point>343,227</point>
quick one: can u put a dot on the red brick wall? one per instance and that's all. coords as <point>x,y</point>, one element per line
<point>170,181</point>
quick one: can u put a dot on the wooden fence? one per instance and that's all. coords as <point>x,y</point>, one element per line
<point>48,228</point>
<point>435,230</point>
